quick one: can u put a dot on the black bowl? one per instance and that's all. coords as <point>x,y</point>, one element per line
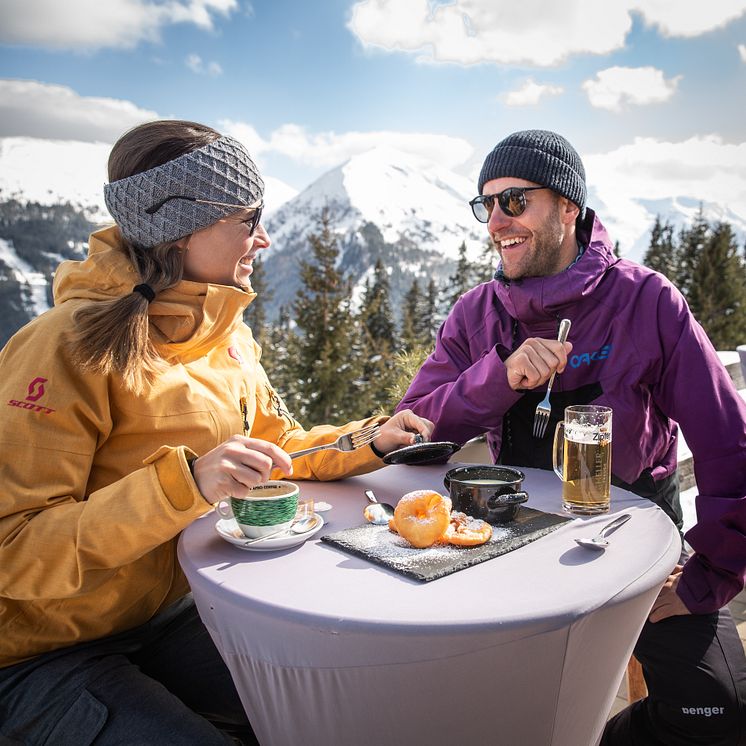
<point>492,493</point>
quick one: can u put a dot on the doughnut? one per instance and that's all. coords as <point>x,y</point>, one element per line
<point>392,525</point>
<point>422,517</point>
<point>465,531</point>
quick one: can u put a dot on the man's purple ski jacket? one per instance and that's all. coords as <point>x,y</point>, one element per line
<point>636,342</point>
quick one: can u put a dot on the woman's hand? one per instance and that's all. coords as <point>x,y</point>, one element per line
<point>237,465</point>
<point>400,431</point>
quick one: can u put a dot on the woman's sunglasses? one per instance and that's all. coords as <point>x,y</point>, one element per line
<point>512,202</point>
<point>252,221</point>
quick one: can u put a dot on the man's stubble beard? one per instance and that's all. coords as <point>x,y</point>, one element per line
<point>544,258</point>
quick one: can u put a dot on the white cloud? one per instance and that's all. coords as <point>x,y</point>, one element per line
<point>689,17</point>
<point>328,149</point>
<point>530,93</point>
<point>533,31</point>
<point>616,86</point>
<point>93,24</point>
<point>703,167</point>
<point>35,109</point>
<point>742,52</point>
<point>195,63</point>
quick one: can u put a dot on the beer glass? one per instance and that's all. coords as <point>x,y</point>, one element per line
<point>582,459</point>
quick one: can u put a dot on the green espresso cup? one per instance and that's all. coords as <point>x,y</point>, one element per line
<point>268,508</point>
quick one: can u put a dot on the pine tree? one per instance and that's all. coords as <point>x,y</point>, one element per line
<point>278,349</point>
<point>256,314</point>
<point>718,296</point>
<point>461,280</point>
<point>410,327</point>
<point>378,340</point>
<point>321,356</point>
<point>662,253</point>
<point>691,244</point>
<point>486,264</point>
<point>377,314</point>
<point>430,318</point>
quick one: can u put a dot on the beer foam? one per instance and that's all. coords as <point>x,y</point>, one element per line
<point>586,434</point>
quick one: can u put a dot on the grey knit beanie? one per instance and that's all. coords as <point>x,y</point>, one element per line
<point>543,157</point>
<point>221,171</point>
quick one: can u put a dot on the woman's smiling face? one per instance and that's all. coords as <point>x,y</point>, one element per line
<point>223,252</point>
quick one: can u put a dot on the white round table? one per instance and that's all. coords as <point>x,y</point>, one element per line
<point>526,648</point>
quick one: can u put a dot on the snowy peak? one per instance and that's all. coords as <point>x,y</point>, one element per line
<point>61,171</point>
<point>55,172</point>
<point>405,196</point>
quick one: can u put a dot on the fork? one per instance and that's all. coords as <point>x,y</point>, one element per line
<point>347,442</point>
<point>544,408</point>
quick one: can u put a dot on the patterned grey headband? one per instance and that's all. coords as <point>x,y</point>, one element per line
<point>221,171</point>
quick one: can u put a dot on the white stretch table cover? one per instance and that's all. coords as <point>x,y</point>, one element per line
<point>527,648</point>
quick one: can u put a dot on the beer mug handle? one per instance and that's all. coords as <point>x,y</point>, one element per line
<point>558,449</point>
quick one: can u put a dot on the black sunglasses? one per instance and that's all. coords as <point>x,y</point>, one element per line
<point>253,221</point>
<point>512,202</point>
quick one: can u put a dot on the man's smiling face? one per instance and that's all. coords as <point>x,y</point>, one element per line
<point>540,241</point>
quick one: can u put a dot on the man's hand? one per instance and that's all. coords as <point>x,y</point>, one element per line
<point>400,431</point>
<point>534,362</point>
<point>668,602</point>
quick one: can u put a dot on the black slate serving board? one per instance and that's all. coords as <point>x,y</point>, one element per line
<point>381,546</point>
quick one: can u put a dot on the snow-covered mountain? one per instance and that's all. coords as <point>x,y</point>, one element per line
<point>383,203</point>
<point>54,172</point>
<point>57,171</point>
<point>411,213</point>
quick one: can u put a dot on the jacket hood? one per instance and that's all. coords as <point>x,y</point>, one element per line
<point>185,320</point>
<point>533,300</point>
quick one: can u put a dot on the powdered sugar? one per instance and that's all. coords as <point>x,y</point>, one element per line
<point>383,547</point>
<point>398,553</point>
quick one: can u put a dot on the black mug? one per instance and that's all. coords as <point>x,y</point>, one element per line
<point>492,493</point>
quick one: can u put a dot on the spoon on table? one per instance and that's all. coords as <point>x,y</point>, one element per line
<point>377,513</point>
<point>299,527</point>
<point>599,541</point>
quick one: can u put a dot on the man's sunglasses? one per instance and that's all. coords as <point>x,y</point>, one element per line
<point>512,202</point>
<point>252,221</point>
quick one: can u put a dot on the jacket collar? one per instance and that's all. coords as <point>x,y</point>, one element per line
<point>541,300</point>
<point>186,321</point>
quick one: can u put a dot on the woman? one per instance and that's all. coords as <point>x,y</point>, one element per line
<point>126,404</point>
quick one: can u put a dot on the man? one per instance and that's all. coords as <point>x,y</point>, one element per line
<point>636,348</point>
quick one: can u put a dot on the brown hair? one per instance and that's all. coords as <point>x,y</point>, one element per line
<point>113,336</point>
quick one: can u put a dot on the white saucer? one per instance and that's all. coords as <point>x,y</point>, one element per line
<point>228,529</point>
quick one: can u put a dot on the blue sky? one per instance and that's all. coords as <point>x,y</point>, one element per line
<point>651,92</point>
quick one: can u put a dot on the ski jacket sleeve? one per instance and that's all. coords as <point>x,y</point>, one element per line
<point>691,386</point>
<point>465,393</point>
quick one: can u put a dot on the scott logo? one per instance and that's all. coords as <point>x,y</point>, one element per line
<point>36,389</point>
<point>590,357</point>
<point>35,392</point>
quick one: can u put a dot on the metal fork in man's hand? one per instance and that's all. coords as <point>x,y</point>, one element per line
<point>347,442</point>
<point>544,408</point>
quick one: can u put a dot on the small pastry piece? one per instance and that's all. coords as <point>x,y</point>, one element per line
<point>422,517</point>
<point>465,531</point>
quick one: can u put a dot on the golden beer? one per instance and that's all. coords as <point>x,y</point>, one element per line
<point>582,459</point>
<point>586,476</point>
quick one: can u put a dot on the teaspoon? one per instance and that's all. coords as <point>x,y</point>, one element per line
<point>599,540</point>
<point>299,527</point>
<point>377,513</point>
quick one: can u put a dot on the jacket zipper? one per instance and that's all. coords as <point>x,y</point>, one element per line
<point>244,415</point>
